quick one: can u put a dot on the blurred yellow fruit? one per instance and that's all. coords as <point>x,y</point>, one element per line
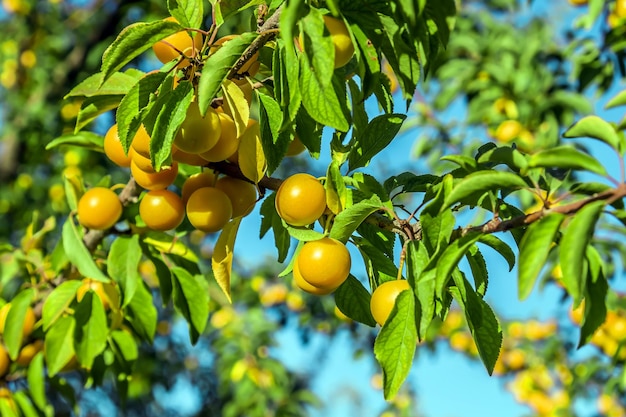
<point>508,130</point>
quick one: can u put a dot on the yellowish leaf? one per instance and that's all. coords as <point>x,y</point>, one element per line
<point>222,260</point>
<point>252,160</point>
<point>236,105</point>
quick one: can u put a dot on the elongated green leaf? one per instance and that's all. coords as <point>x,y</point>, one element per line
<point>574,242</point>
<point>191,299</point>
<point>8,408</point>
<point>318,48</point>
<point>59,344</point>
<point>222,260</point>
<point>509,156</point>
<point>437,223</point>
<point>422,278</point>
<point>321,102</point>
<point>93,107</point>
<point>163,243</point>
<point>58,301</point>
<point>596,128</point>
<point>188,13</point>
<point>274,144</point>
<point>395,345</point>
<point>482,182</point>
<point>534,251</point>
<point>271,220</point>
<point>450,258</point>
<point>348,220</point>
<point>480,273</point>
<point>595,296</point>
<point>303,234</point>
<point>618,100</point>
<point>500,247</point>
<point>123,265</point>
<point>378,133</point>
<point>119,83</point>
<point>78,254</point>
<point>132,41</point>
<point>91,329</point>
<point>164,275</point>
<point>353,300</point>
<point>82,139</point>
<point>14,322</point>
<point>142,314</point>
<point>125,344</point>
<point>336,192</point>
<point>380,267</point>
<point>129,112</point>
<point>218,66</point>
<point>36,381</point>
<point>25,405</point>
<point>566,157</point>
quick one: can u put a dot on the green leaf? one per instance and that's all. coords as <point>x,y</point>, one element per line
<point>422,279</point>
<point>14,322</point>
<point>142,314</point>
<point>129,112</point>
<point>78,254</point>
<point>395,345</point>
<point>618,100</point>
<point>321,102</point>
<point>534,250</point>
<point>222,10</point>
<point>353,300</point>
<point>36,381</point>
<point>336,193</point>
<point>596,128</point>
<point>378,133</point>
<point>595,296</point>
<point>483,182</point>
<point>303,234</point>
<point>271,220</point>
<point>318,48</point>
<point>118,84</point>
<point>93,107</point>
<point>511,157</point>
<point>91,329</point>
<point>450,258</point>
<point>123,265</point>
<point>480,273</point>
<point>565,157</point>
<point>348,220</point>
<point>191,300</point>
<point>58,301</point>
<point>164,119</point>
<point>132,41</point>
<point>379,267</point>
<point>163,243</point>
<point>573,247</point>
<point>222,259</point>
<point>437,224</point>
<point>7,408</point>
<point>217,67</point>
<point>59,344</point>
<point>499,246</point>
<point>164,274</point>
<point>81,139</point>
<point>125,345</point>
<point>188,13</point>
<point>270,120</point>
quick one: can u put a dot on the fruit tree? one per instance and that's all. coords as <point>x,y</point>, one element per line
<point>181,122</point>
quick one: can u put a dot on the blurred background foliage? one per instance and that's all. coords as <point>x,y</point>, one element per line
<point>513,73</point>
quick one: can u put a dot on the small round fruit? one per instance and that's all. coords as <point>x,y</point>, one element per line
<point>508,130</point>
<point>198,134</point>
<point>227,144</point>
<point>344,49</point>
<point>295,147</point>
<point>5,361</point>
<point>113,148</point>
<point>305,286</point>
<point>157,180</point>
<point>141,161</point>
<point>188,158</point>
<point>168,49</point>
<point>106,292</point>
<point>162,210</point>
<point>99,209</point>
<point>141,142</point>
<point>620,9</point>
<point>300,200</point>
<point>28,352</point>
<point>209,209</point>
<point>242,194</point>
<point>200,180</point>
<point>324,263</point>
<point>384,298</point>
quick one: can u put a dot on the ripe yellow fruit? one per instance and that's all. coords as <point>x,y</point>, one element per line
<point>508,130</point>
<point>141,142</point>
<point>186,42</point>
<point>162,210</point>
<point>344,48</point>
<point>106,292</point>
<point>5,361</point>
<point>209,209</point>
<point>154,180</point>
<point>228,141</point>
<point>195,181</point>
<point>141,161</point>
<point>324,263</point>
<point>99,209</point>
<point>198,134</point>
<point>295,147</point>
<point>28,352</point>
<point>620,9</point>
<point>305,286</point>
<point>113,148</point>
<point>300,200</point>
<point>188,158</point>
<point>242,194</point>
<point>384,298</point>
